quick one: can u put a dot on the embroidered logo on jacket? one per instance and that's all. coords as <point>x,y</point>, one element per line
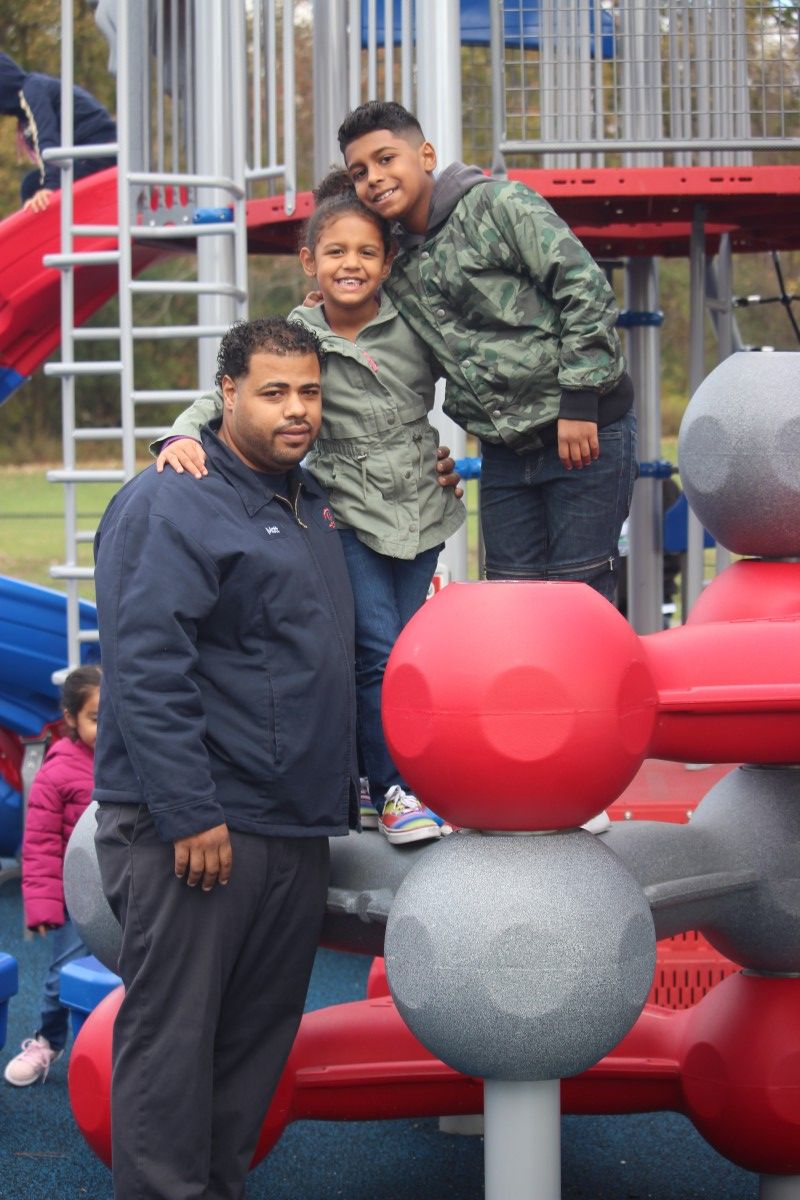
<point>270,529</point>
<point>329,517</point>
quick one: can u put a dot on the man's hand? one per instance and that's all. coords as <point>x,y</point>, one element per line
<point>184,454</point>
<point>578,444</point>
<point>39,201</point>
<point>207,857</point>
<point>446,473</point>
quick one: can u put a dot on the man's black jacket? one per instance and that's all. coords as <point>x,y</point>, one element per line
<point>226,638</point>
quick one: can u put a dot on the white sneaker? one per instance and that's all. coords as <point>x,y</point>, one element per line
<point>598,824</point>
<point>32,1063</point>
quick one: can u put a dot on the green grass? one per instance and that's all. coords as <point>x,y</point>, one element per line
<point>32,523</point>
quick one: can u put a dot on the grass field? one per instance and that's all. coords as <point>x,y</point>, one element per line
<point>32,523</point>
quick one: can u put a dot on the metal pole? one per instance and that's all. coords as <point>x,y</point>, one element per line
<point>439,113</point>
<point>695,570</point>
<point>329,50</point>
<point>130,69</point>
<point>67,340</point>
<point>522,1139</point>
<point>779,1187</point>
<point>214,156</point>
<point>645,523</point>
<point>498,85</point>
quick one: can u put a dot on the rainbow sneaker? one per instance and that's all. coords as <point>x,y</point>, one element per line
<point>369,813</point>
<point>405,819</point>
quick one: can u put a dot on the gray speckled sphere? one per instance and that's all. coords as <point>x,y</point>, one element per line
<point>83,893</point>
<point>752,819</point>
<point>739,450</point>
<point>520,958</point>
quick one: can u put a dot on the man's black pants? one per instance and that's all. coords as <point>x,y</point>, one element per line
<point>215,984</point>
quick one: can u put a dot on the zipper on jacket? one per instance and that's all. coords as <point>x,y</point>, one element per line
<point>362,458</point>
<point>292,506</point>
<point>417,437</point>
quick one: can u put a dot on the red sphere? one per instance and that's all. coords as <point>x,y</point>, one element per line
<point>518,705</point>
<point>752,589</point>
<point>741,1071</point>
<point>90,1075</point>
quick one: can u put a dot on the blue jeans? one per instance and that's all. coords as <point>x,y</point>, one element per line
<point>67,945</point>
<point>387,591</point>
<point>540,521</point>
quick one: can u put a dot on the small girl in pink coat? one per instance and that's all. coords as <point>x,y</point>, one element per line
<point>60,792</point>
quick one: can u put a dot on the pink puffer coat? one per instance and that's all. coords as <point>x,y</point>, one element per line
<point>59,794</point>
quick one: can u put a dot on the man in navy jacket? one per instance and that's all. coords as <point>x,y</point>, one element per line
<point>225,759</point>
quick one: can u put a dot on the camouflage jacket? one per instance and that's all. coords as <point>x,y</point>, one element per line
<point>376,453</point>
<point>517,312</point>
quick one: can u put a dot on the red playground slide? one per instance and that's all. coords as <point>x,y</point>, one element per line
<point>30,293</point>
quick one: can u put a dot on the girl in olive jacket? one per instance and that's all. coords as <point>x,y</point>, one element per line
<point>376,458</point>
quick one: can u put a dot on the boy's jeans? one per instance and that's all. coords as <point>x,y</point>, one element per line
<point>540,521</point>
<point>387,591</point>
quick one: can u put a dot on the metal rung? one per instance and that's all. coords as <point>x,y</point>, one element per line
<point>176,395</point>
<point>154,332</point>
<point>67,572</point>
<point>154,179</point>
<point>99,333</point>
<point>89,635</point>
<point>256,173</point>
<point>170,232</point>
<point>95,230</point>
<point>82,258</point>
<point>100,150</point>
<point>167,287</point>
<point>85,536</point>
<point>114,432</point>
<point>79,475</point>
<point>83,368</point>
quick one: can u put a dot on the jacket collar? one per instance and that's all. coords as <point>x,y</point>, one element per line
<point>253,489</point>
<point>314,318</point>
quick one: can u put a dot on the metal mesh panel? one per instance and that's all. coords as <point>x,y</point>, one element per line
<point>606,82</point>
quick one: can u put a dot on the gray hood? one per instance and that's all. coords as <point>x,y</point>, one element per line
<point>453,183</point>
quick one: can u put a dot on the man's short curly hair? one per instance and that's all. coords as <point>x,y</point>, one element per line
<point>379,114</point>
<point>265,335</point>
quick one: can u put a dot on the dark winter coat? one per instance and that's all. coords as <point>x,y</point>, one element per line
<point>226,635</point>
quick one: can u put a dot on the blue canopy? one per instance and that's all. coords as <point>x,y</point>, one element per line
<point>521,23</point>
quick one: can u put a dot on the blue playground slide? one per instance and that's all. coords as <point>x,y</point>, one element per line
<point>33,644</point>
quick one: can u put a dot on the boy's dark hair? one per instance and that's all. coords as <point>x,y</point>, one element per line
<point>76,688</point>
<point>265,335</point>
<point>379,114</point>
<point>335,197</point>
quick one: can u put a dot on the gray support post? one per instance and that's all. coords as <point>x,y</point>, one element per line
<point>68,343</point>
<point>130,66</point>
<point>693,583</point>
<point>522,1139</point>
<point>329,51</point>
<point>645,524</point>
<point>439,113</point>
<point>214,156</point>
<point>779,1187</point>
<point>498,85</point>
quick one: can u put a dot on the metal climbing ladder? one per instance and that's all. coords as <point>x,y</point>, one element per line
<point>184,113</point>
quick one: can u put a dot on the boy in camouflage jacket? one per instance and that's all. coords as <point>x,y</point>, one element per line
<point>522,320</point>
